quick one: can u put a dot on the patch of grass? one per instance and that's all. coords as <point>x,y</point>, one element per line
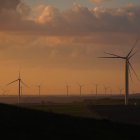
<point>34,124</point>
<point>80,109</point>
<point>73,109</point>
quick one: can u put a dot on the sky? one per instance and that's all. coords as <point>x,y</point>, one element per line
<point>64,4</point>
<point>54,43</point>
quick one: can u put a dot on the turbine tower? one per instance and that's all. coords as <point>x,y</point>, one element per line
<point>96,89</point>
<point>111,91</point>
<point>80,88</point>
<point>121,90</point>
<point>39,90</point>
<point>20,82</point>
<point>21,89</point>
<point>128,68</point>
<point>67,89</point>
<point>105,89</point>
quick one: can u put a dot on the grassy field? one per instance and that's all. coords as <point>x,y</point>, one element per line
<point>111,109</point>
<point>23,123</point>
<point>73,109</point>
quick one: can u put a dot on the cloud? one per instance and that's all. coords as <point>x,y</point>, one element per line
<point>8,10</point>
<point>75,35</point>
<point>9,4</point>
<point>82,20</point>
<point>12,14</point>
<point>78,20</point>
<point>67,52</point>
<point>100,1</point>
<point>72,39</point>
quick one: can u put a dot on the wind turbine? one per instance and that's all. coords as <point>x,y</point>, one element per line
<point>128,68</point>
<point>39,89</point>
<point>80,88</point>
<point>120,89</point>
<point>105,88</point>
<point>111,91</point>
<point>96,89</point>
<point>20,82</point>
<point>67,89</point>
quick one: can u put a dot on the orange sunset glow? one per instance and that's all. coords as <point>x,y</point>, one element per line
<point>53,45</point>
<point>70,69</point>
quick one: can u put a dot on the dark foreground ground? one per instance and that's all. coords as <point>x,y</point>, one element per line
<point>21,123</point>
<point>119,113</point>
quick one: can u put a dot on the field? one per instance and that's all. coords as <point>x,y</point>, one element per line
<point>72,109</point>
<point>88,119</point>
<point>23,123</point>
<point>110,109</point>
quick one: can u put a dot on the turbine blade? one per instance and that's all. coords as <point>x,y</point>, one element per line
<point>134,71</point>
<point>24,84</point>
<point>12,82</point>
<point>112,54</point>
<point>132,54</point>
<point>111,57</point>
<point>133,47</point>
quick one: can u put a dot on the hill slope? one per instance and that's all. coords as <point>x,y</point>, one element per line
<point>24,124</point>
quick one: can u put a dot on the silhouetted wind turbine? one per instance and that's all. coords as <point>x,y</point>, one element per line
<point>110,91</point>
<point>96,89</point>
<point>120,89</point>
<point>80,88</point>
<point>39,89</point>
<point>128,68</point>
<point>67,89</point>
<point>19,80</point>
<point>105,88</point>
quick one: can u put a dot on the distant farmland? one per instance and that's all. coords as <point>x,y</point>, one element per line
<point>100,99</point>
<point>110,109</point>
